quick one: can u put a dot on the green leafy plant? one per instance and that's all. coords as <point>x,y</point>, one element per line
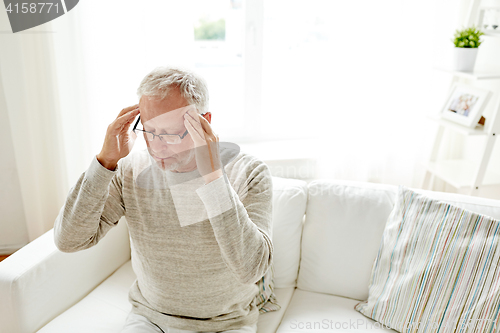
<point>468,37</point>
<point>207,30</point>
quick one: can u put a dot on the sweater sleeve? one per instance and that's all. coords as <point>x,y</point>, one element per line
<point>93,206</point>
<point>242,223</point>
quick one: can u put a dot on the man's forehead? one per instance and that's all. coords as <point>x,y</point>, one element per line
<point>173,119</point>
<point>152,107</point>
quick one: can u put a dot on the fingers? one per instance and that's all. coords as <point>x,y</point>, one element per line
<point>203,122</point>
<point>127,109</point>
<point>126,125</point>
<point>207,128</point>
<point>123,122</point>
<point>195,125</point>
<point>211,157</point>
<point>127,117</point>
<point>206,125</point>
<point>195,135</point>
<point>201,125</point>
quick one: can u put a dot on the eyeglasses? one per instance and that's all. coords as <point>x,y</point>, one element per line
<point>166,138</point>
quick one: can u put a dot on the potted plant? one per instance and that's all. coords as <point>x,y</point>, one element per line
<point>466,43</point>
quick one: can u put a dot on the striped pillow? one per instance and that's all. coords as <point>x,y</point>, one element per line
<point>266,300</point>
<point>437,269</point>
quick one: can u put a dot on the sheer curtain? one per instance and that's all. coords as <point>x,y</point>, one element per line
<point>44,123</point>
<point>36,183</point>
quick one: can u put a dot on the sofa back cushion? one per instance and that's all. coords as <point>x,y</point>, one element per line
<point>343,229</point>
<point>342,232</point>
<point>289,205</point>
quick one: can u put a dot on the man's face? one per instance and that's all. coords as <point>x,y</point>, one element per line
<point>166,117</point>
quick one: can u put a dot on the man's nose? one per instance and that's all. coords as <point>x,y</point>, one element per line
<point>158,145</point>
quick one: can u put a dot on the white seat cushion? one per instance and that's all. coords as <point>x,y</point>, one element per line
<point>315,312</point>
<point>269,322</point>
<point>105,309</point>
<point>289,206</point>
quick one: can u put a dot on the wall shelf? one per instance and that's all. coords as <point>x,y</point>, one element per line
<point>473,75</point>
<point>459,173</point>
<point>478,130</point>
<point>491,33</point>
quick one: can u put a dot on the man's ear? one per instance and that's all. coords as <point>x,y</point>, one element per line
<point>208,117</point>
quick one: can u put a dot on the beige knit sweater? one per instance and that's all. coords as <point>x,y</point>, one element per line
<point>199,276</point>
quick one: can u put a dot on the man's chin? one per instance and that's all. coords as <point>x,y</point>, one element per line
<point>169,164</point>
<point>172,163</point>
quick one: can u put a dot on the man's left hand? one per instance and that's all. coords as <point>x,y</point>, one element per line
<point>206,145</point>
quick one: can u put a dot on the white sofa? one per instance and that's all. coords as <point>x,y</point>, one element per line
<point>326,236</point>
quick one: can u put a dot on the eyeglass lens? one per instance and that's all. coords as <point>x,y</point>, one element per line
<point>167,138</point>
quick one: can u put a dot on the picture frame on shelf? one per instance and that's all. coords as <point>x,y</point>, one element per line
<point>489,20</point>
<point>465,104</point>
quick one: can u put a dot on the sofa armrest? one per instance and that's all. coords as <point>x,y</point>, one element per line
<point>39,282</point>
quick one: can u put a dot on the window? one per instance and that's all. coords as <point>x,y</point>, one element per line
<point>276,69</point>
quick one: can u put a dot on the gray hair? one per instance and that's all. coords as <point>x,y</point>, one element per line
<point>191,85</point>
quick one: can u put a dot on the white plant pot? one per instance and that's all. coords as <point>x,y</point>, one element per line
<point>465,58</point>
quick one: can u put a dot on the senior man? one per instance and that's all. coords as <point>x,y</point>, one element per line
<point>199,213</point>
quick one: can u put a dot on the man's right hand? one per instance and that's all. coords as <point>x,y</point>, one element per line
<point>118,142</point>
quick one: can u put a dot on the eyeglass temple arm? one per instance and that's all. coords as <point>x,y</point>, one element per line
<point>137,122</point>
<point>139,119</point>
